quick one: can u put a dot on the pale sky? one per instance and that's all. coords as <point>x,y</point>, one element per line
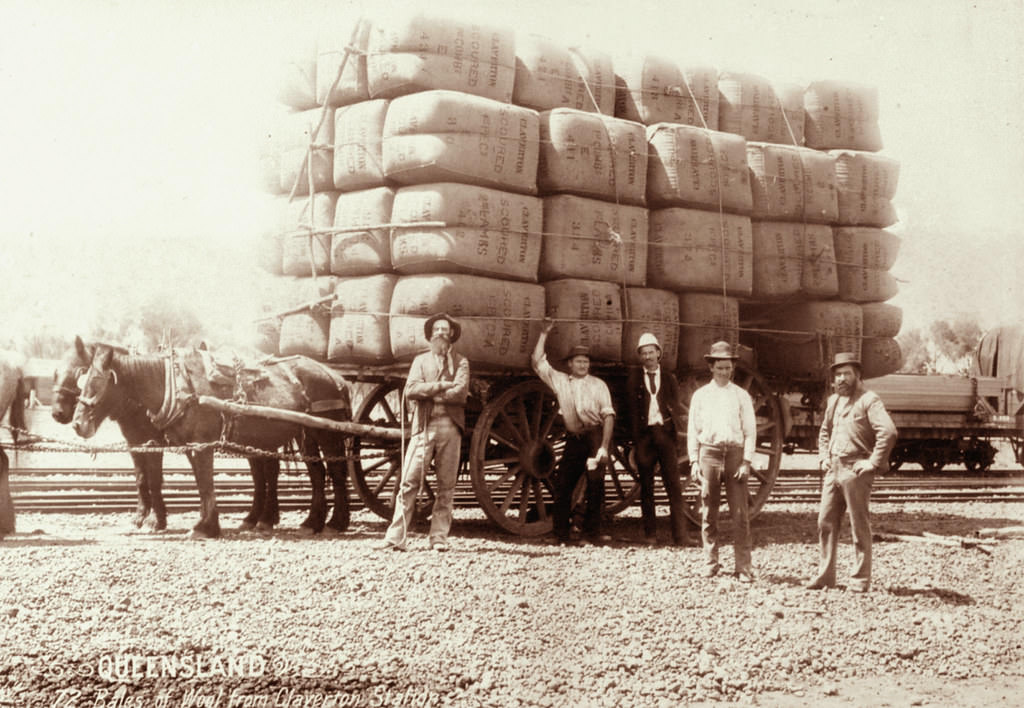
<point>129,133</point>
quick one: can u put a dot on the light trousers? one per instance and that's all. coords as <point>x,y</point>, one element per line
<point>440,442</point>
<point>719,467</point>
<point>845,490</point>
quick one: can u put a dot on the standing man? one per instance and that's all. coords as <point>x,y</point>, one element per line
<point>436,388</point>
<point>854,443</point>
<point>655,417</point>
<point>586,406</point>
<point>720,437</point>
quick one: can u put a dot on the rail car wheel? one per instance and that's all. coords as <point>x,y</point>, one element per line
<point>767,453</point>
<point>375,466</point>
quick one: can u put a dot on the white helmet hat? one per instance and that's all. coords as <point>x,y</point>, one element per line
<point>648,338</point>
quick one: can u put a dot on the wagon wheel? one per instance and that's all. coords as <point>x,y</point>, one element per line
<point>767,453</point>
<point>375,465</point>
<point>517,441</point>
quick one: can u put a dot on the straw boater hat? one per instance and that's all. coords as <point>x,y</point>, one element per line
<point>646,339</point>
<point>845,359</point>
<point>428,326</point>
<point>720,350</point>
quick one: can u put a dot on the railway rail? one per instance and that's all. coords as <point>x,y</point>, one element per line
<point>113,491</point>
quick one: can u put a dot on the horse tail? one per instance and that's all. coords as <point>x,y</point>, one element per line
<point>17,417</point>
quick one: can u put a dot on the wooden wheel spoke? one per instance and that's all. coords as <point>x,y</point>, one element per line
<point>524,501</point>
<point>504,440</point>
<point>511,494</point>
<point>538,494</point>
<point>510,472</point>
<point>511,427</point>
<point>384,480</point>
<point>524,419</point>
<point>538,416</point>
<point>552,416</point>
<point>512,460</point>
<point>765,426</point>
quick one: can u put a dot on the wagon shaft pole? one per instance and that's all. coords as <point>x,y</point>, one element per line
<point>311,421</point>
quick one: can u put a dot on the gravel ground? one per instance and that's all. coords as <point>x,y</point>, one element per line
<point>96,615</point>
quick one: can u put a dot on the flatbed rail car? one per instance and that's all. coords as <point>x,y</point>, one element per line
<point>513,440</point>
<point>942,419</point>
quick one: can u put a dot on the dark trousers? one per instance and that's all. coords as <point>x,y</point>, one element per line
<point>571,467</point>
<point>657,445</point>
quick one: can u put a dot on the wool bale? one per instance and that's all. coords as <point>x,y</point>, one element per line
<point>500,319</point>
<point>486,231</point>
<point>551,75</point>
<point>749,105</point>
<point>693,167</point>
<point>881,319</point>
<point>359,331</point>
<point>689,249</point>
<point>445,136</point>
<point>358,132</point>
<point>841,115</point>
<point>652,89</point>
<point>589,313</point>
<point>270,252</point>
<point>332,48</point>
<point>880,356</point>
<point>703,320</point>
<point>302,133</point>
<point>801,340</point>
<point>305,330</point>
<point>793,260</point>
<point>592,155</point>
<point>654,311</point>
<point>792,184</point>
<point>367,250</point>
<point>295,79</point>
<point>864,257</point>
<point>866,184</point>
<point>266,336</point>
<point>306,227</point>
<point>593,239</point>
<point>420,52</point>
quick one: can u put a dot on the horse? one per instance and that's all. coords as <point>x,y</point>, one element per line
<point>167,386</point>
<point>135,425</point>
<point>12,397</point>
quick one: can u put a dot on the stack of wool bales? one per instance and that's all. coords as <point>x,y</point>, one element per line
<point>434,165</point>
<point>821,249</point>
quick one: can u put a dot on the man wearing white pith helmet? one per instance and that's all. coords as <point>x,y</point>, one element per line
<point>655,417</point>
<point>589,416</point>
<point>720,438</point>
<point>856,437</point>
<point>436,388</point>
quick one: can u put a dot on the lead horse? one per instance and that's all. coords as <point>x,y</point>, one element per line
<point>167,387</point>
<point>12,398</point>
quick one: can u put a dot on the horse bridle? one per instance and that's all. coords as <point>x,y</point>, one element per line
<point>93,401</point>
<point>72,392</point>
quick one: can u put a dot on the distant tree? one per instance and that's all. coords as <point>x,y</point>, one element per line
<point>156,323</point>
<point>944,347</point>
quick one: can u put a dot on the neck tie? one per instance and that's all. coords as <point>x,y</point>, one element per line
<point>446,373</point>
<point>650,377</point>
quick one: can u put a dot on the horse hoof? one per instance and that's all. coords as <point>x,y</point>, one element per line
<point>332,531</point>
<point>307,531</point>
<point>247,525</point>
<point>265,527</point>
<point>197,535</point>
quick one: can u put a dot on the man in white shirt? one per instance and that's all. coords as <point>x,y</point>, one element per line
<point>721,435</point>
<point>586,406</point>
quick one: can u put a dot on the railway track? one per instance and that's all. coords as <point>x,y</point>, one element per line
<point>113,491</point>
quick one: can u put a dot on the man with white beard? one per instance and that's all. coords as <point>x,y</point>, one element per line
<point>436,388</point>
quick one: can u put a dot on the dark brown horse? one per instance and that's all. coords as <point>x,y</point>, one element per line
<point>135,425</point>
<point>12,397</point>
<point>166,386</point>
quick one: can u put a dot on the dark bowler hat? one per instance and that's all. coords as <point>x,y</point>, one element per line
<point>844,359</point>
<point>428,326</point>
<point>720,350</point>
<point>578,350</point>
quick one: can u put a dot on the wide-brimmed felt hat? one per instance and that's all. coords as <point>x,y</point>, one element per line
<point>428,326</point>
<point>647,339</point>
<point>578,350</point>
<point>720,350</point>
<point>845,359</point>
